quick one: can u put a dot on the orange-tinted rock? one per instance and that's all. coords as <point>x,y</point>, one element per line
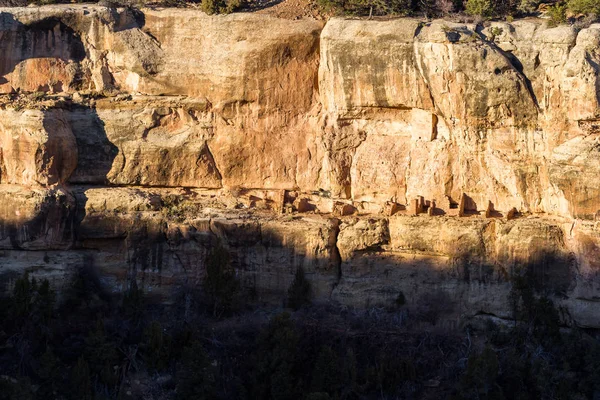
<point>37,147</point>
<point>189,129</point>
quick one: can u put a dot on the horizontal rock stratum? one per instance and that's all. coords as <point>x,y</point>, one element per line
<point>432,159</point>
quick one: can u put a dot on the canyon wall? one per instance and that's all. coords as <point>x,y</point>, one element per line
<point>435,159</point>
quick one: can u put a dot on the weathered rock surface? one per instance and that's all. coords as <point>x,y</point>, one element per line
<point>434,159</point>
<point>37,147</point>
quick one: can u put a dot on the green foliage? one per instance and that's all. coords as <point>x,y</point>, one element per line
<point>490,8</point>
<point>584,6</point>
<point>44,302</point>
<point>196,376</point>
<point>367,7</point>
<point>102,354</point>
<point>32,303</point>
<point>277,353</point>
<point>315,355</point>
<point>156,346</point>
<point>220,283</point>
<point>481,8</point>
<point>78,293</point>
<point>538,311</point>
<point>495,32</point>
<point>557,14</point>
<point>23,293</point>
<point>299,291</point>
<point>529,6</point>
<point>220,6</point>
<point>175,207</point>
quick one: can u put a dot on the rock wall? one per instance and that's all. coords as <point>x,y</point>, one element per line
<point>431,159</point>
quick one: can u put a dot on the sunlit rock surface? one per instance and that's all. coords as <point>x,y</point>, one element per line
<point>435,159</point>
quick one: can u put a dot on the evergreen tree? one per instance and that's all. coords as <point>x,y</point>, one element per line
<point>299,291</point>
<point>275,361</point>
<point>220,283</point>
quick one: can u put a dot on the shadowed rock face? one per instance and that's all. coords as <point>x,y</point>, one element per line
<point>38,56</point>
<point>435,160</point>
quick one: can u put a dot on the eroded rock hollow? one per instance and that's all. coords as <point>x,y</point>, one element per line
<point>382,157</point>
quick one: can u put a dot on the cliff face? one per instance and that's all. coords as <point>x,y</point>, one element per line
<point>382,157</point>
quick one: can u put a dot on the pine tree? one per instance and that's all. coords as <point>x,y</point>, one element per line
<point>299,291</point>
<point>220,283</point>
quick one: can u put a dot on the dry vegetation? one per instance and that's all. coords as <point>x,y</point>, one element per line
<point>216,343</point>
<point>557,11</point>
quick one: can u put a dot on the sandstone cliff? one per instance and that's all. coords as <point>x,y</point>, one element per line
<point>380,156</point>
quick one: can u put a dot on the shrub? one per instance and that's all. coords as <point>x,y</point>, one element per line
<point>276,356</point>
<point>220,6</point>
<point>220,283</point>
<point>23,296</point>
<point>299,291</point>
<point>367,7</point>
<point>32,302</point>
<point>536,310</point>
<point>44,302</point>
<point>490,8</point>
<point>445,6</point>
<point>557,14</point>
<point>102,354</point>
<point>400,300</point>
<point>133,301</point>
<point>495,32</point>
<point>528,6</point>
<point>584,6</point>
<point>481,8</point>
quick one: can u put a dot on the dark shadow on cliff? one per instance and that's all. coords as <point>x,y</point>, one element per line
<point>265,261</point>
<point>46,226</point>
<point>96,153</point>
<point>47,38</point>
<point>49,234</point>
